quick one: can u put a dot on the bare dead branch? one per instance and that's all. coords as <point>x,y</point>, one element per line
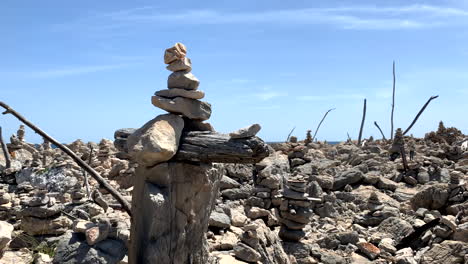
<point>289,135</point>
<point>6,154</point>
<point>377,125</point>
<point>321,122</point>
<point>86,181</point>
<point>420,112</point>
<point>362,122</point>
<point>79,161</point>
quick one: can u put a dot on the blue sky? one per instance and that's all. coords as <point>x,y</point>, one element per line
<point>82,69</point>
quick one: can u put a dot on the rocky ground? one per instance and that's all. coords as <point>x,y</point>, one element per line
<point>305,203</point>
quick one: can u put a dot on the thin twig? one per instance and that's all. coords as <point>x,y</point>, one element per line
<point>323,118</point>
<point>377,125</point>
<point>362,122</point>
<point>420,112</point>
<point>5,151</point>
<point>393,103</point>
<point>70,153</point>
<point>287,139</point>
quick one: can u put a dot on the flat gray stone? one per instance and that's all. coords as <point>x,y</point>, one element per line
<point>176,92</point>
<point>246,132</point>
<point>190,108</point>
<point>184,80</point>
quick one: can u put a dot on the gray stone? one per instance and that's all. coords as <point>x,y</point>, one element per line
<point>423,177</point>
<point>183,80</point>
<point>124,132</point>
<point>176,92</point>
<point>246,253</point>
<point>157,141</point>
<point>291,235</point>
<point>351,237</point>
<point>190,108</point>
<point>446,252</point>
<point>350,176</point>
<point>243,172</point>
<point>387,184</point>
<point>431,197</point>
<point>461,233</point>
<point>72,248</point>
<point>219,220</point>
<point>395,228</point>
<point>228,183</point>
<point>244,192</point>
<point>246,132</point>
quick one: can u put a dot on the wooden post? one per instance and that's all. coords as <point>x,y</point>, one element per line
<point>78,160</point>
<point>393,103</point>
<point>403,158</point>
<point>5,151</point>
<point>321,123</point>
<point>362,123</point>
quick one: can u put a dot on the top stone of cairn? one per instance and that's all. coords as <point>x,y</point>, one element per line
<point>179,51</point>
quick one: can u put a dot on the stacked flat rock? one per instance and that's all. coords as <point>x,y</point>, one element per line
<point>182,96</point>
<point>295,209</point>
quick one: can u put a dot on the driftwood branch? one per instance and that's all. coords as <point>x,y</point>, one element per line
<point>289,135</point>
<point>377,125</point>
<point>86,181</point>
<point>6,154</point>
<point>202,146</point>
<point>393,103</point>
<point>316,130</point>
<point>362,122</point>
<point>420,112</point>
<point>70,153</point>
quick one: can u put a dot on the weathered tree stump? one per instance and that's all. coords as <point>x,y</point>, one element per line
<point>172,203</point>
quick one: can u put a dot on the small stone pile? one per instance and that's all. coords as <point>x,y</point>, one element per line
<point>41,214</point>
<point>295,209</point>
<point>182,96</point>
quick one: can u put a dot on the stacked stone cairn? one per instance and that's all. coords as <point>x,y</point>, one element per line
<point>295,209</point>
<point>182,96</point>
<point>161,185</point>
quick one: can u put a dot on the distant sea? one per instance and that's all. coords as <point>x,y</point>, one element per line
<point>328,142</point>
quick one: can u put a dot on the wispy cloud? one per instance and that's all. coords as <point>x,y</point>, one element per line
<point>329,97</point>
<point>344,17</point>
<point>268,95</point>
<point>65,71</point>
